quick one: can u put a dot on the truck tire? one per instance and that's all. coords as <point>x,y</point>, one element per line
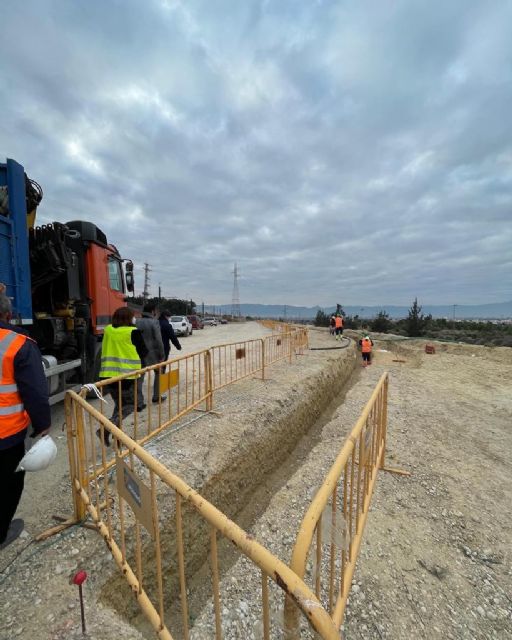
<point>94,360</point>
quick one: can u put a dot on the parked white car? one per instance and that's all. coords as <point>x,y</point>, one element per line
<point>210,321</point>
<point>181,325</point>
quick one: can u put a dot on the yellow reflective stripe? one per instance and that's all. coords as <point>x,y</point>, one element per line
<point>9,411</point>
<point>8,388</point>
<point>6,342</point>
<point>121,360</point>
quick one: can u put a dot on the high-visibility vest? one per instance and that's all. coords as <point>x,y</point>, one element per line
<point>13,417</point>
<point>339,322</point>
<point>118,354</point>
<point>366,346</point>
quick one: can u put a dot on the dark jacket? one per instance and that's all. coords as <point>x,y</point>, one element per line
<point>150,329</point>
<point>32,387</point>
<point>168,334</point>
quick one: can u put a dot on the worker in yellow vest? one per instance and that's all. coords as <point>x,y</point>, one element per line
<point>366,345</point>
<point>338,325</point>
<point>122,352</point>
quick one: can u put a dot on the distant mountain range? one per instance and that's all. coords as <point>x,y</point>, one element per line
<point>499,310</point>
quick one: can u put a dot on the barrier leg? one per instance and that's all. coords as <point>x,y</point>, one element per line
<point>78,507</point>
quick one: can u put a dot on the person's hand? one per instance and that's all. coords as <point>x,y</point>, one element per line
<point>37,434</point>
<point>179,348</point>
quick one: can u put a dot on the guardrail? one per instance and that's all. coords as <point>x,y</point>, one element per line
<point>187,382</point>
<point>331,531</point>
<point>161,532</point>
<point>149,518</point>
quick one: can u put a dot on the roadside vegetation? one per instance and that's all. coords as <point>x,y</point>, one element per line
<point>484,332</point>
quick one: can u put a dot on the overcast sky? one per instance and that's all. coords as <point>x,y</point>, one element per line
<point>353,152</point>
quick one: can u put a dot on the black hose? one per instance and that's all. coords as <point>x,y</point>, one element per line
<point>331,348</point>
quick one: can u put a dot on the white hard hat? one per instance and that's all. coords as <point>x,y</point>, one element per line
<point>40,456</point>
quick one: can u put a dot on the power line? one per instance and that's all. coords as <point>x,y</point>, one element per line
<point>147,270</point>
<point>235,301</point>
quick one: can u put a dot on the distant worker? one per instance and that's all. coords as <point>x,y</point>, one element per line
<point>168,335</point>
<point>23,403</point>
<point>122,351</point>
<point>150,329</point>
<point>366,345</point>
<point>332,325</point>
<point>338,320</point>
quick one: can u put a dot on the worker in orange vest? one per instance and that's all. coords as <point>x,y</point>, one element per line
<point>23,403</point>
<point>366,345</point>
<point>338,324</point>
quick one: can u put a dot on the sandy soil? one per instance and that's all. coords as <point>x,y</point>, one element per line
<point>435,560</point>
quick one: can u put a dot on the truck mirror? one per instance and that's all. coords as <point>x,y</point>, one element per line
<point>130,281</point>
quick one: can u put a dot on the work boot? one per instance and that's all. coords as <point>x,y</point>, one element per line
<point>15,529</point>
<point>161,399</point>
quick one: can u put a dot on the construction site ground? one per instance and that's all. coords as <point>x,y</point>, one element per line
<point>436,555</point>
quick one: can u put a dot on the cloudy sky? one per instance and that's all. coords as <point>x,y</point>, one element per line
<point>353,152</point>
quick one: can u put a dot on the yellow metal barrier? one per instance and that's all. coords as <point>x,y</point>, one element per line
<point>234,361</point>
<point>155,525</point>
<point>161,532</point>
<point>331,531</point>
<point>187,382</point>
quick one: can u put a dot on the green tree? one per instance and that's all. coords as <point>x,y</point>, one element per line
<point>416,322</point>
<point>381,323</point>
<point>322,319</point>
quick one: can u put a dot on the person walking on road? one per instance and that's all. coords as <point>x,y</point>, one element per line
<point>150,329</point>
<point>122,351</point>
<point>23,403</point>
<point>168,335</point>
<point>338,323</point>
<point>332,325</point>
<point>366,345</point>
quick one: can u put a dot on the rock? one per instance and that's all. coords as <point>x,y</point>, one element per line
<point>481,611</point>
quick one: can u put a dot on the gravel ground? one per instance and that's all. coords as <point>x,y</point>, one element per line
<point>435,559</point>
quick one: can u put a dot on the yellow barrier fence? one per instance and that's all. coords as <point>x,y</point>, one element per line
<point>331,532</point>
<point>185,383</point>
<point>234,361</point>
<point>161,533</point>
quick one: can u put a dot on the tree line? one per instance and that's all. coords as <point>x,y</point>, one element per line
<point>175,306</point>
<point>417,324</point>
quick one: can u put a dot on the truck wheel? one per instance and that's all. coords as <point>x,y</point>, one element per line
<point>93,366</point>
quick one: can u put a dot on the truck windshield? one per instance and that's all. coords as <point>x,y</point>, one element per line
<point>176,318</point>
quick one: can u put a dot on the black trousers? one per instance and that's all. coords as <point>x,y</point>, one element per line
<point>11,485</point>
<point>126,398</point>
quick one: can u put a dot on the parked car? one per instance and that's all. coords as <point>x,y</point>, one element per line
<point>212,322</point>
<point>223,321</point>
<point>196,322</point>
<point>181,325</point>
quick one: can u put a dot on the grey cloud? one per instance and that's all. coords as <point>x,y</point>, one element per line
<point>334,151</point>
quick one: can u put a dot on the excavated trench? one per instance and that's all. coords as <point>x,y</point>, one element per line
<point>241,485</point>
